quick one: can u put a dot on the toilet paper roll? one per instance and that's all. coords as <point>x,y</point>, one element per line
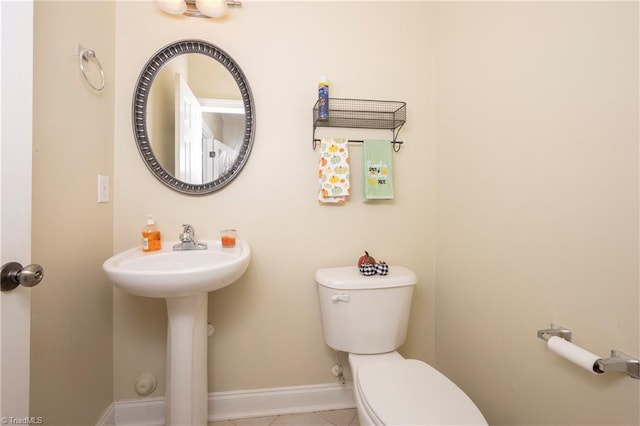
<point>574,353</point>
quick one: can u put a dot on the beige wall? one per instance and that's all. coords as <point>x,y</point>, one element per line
<point>72,324</point>
<point>535,143</point>
<point>517,183</point>
<point>268,330</point>
<point>537,204</point>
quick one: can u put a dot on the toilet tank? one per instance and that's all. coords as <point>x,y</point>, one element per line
<point>365,314</point>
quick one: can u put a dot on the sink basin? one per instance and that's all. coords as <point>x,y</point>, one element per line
<point>169,273</point>
<point>183,279</point>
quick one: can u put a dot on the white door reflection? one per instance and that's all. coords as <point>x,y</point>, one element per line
<point>201,154</point>
<point>189,134</point>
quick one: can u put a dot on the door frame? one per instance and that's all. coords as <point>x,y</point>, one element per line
<point>16,131</point>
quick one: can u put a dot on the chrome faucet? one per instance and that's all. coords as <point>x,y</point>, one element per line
<point>188,240</point>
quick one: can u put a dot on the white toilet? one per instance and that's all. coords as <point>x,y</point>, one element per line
<point>367,316</point>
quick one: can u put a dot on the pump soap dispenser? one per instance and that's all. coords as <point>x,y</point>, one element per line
<point>151,236</point>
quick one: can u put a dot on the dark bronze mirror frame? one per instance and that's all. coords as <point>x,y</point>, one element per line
<point>141,97</point>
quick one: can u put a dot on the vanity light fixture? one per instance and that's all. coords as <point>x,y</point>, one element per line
<point>197,8</point>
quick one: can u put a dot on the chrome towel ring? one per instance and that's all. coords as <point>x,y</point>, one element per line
<point>85,55</point>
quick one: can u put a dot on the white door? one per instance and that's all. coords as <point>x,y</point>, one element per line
<point>188,132</point>
<point>16,90</point>
<point>207,154</point>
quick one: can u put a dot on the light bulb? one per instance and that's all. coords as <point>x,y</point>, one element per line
<point>175,7</point>
<point>212,8</point>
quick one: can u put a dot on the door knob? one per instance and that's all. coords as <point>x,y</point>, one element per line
<point>13,274</point>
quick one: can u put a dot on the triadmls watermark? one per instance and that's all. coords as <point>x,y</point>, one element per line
<point>22,420</point>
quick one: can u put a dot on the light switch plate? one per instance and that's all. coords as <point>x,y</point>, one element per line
<point>103,189</point>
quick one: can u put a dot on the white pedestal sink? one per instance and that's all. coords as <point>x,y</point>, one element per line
<point>183,279</point>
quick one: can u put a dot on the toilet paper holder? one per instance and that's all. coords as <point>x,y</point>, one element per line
<point>555,330</point>
<point>618,362</point>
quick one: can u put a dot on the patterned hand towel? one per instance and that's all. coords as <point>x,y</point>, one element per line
<point>333,171</point>
<point>378,170</point>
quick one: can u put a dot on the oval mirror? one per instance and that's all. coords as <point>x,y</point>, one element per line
<point>193,117</point>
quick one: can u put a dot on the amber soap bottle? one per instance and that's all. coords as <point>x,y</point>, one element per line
<point>151,240</point>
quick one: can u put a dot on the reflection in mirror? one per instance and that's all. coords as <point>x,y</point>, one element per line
<point>194,124</point>
<point>195,118</point>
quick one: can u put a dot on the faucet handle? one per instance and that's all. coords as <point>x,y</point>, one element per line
<point>187,234</point>
<point>188,240</point>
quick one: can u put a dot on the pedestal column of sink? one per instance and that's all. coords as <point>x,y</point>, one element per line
<point>184,278</point>
<point>186,382</point>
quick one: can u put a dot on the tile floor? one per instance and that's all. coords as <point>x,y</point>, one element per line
<point>347,417</point>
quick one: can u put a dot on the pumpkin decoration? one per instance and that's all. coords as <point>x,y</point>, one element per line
<point>366,264</point>
<point>382,268</point>
<point>366,258</point>
<point>367,269</point>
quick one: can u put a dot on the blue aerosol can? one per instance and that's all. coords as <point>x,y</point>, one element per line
<point>323,99</point>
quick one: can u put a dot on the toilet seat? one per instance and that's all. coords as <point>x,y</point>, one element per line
<point>411,392</point>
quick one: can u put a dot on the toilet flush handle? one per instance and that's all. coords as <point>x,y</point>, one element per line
<point>340,298</point>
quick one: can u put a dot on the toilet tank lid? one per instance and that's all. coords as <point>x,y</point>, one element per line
<point>350,278</point>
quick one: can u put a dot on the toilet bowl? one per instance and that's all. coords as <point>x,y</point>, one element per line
<point>367,317</point>
<point>391,390</point>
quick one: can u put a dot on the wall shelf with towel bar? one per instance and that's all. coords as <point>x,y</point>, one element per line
<point>363,114</point>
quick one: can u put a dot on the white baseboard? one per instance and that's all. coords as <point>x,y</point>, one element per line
<point>243,404</point>
<point>108,417</point>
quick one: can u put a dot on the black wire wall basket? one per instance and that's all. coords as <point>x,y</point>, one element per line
<point>363,114</point>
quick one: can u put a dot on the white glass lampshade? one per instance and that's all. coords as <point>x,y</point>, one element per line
<point>176,7</point>
<point>212,8</point>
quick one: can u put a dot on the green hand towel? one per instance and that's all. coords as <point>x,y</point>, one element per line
<point>378,170</point>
